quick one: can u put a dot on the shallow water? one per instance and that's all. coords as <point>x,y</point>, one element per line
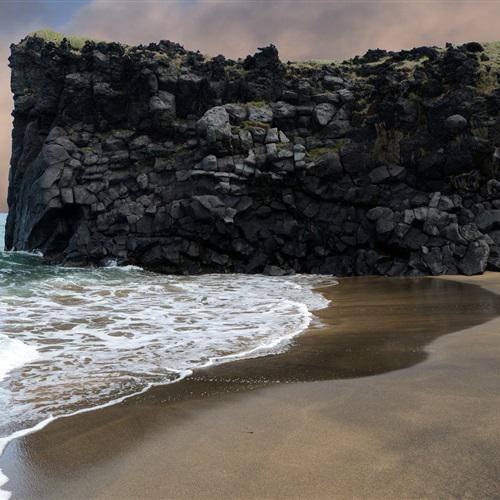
<point>73,338</point>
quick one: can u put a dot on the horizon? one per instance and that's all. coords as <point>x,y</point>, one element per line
<point>334,30</point>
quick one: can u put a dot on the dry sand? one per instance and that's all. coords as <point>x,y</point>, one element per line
<point>407,427</point>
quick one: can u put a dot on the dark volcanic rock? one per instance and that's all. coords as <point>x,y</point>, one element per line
<point>157,156</point>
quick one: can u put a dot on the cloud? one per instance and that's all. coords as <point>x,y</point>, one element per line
<point>16,19</point>
<point>335,29</point>
<point>300,29</point>
<point>18,15</point>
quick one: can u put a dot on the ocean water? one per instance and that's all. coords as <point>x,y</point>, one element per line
<point>75,338</point>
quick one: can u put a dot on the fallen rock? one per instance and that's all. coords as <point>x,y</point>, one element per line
<point>475,258</point>
<point>456,123</point>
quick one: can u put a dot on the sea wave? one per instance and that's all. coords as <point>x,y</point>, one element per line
<point>76,339</point>
<point>14,354</point>
<point>106,332</point>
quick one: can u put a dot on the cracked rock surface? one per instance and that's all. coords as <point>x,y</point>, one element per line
<point>161,157</point>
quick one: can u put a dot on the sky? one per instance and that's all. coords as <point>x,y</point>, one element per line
<point>301,29</point>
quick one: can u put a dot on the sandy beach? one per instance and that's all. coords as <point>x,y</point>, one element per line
<point>395,395</point>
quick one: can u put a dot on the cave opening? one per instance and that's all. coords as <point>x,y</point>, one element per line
<point>51,235</point>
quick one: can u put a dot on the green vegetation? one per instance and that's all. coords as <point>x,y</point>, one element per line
<point>252,124</point>
<point>310,64</point>
<point>379,61</point>
<point>318,152</point>
<point>411,64</point>
<point>256,104</point>
<point>158,56</point>
<point>322,61</point>
<point>482,132</point>
<point>234,71</point>
<point>492,50</point>
<point>77,42</point>
<point>313,62</point>
<point>490,69</point>
<point>178,60</point>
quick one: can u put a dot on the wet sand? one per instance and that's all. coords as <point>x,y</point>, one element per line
<point>313,422</point>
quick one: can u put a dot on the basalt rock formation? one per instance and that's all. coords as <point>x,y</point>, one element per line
<point>154,155</point>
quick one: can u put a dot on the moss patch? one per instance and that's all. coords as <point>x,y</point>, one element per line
<point>256,104</point>
<point>318,152</point>
<point>77,42</point>
<point>252,124</point>
<point>490,70</point>
<point>492,50</point>
<point>313,63</point>
<point>410,65</point>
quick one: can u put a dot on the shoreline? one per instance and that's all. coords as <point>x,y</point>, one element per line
<point>305,360</point>
<point>276,347</point>
<point>269,349</point>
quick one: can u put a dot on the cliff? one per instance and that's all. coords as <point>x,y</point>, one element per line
<point>157,156</point>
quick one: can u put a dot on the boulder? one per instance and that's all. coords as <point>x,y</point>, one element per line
<point>346,95</point>
<point>209,163</point>
<point>494,258</point>
<point>272,135</point>
<point>488,220</point>
<point>51,175</point>
<point>323,113</point>
<point>475,258</point>
<point>162,107</point>
<point>215,123</point>
<point>237,112</point>
<point>283,110</point>
<point>376,213</point>
<point>54,153</point>
<point>390,173</point>
<point>332,82</point>
<point>455,123</point>
<point>260,113</point>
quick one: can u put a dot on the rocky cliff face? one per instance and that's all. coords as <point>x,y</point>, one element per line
<point>153,155</point>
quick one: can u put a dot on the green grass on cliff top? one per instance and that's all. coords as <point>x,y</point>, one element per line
<point>492,49</point>
<point>489,69</point>
<point>77,42</point>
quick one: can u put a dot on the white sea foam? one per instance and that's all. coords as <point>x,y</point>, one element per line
<point>75,339</point>
<point>14,353</point>
<point>102,335</point>
<point>106,332</point>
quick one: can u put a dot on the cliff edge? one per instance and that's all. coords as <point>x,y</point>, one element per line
<point>162,157</point>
